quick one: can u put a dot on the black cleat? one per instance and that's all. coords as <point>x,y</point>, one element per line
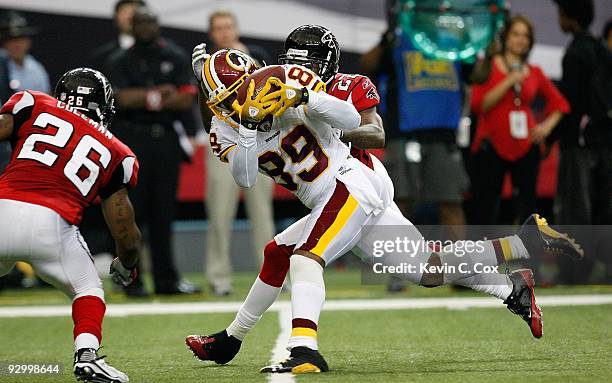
<point>220,347</point>
<point>540,238</point>
<point>182,287</point>
<point>89,367</point>
<point>302,360</point>
<point>522,301</point>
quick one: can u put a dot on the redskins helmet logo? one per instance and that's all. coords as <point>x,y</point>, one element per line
<point>238,60</point>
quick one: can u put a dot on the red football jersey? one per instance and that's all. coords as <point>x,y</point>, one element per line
<point>62,159</point>
<point>356,89</point>
<point>361,92</point>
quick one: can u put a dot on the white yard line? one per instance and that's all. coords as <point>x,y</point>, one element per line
<point>156,308</point>
<point>280,352</point>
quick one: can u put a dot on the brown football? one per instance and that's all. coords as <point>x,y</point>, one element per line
<point>260,76</point>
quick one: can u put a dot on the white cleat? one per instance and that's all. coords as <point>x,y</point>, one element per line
<point>89,367</point>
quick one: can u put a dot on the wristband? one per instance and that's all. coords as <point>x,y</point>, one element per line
<point>304,96</point>
<point>250,125</point>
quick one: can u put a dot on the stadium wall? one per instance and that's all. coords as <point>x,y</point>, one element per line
<point>73,27</point>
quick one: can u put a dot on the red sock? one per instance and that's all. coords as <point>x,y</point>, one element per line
<point>87,315</point>
<point>276,263</point>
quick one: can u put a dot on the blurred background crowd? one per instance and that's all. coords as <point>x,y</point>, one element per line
<point>523,126</point>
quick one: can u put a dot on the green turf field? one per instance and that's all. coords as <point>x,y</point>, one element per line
<point>424,345</point>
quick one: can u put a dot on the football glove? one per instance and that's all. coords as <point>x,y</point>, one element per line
<point>285,96</point>
<point>121,274</point>
<point>198,57</point>
<point>254,109</point>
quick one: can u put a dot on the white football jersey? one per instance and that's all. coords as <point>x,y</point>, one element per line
<point>300,152</point>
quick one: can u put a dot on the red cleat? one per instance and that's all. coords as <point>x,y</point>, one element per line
<point>220,347</point>
<point>522,301</point>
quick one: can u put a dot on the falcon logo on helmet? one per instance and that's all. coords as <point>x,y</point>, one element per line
<point>329,39</point>
<point>223,73</point>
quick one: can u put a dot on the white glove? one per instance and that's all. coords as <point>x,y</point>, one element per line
<point>198,57</point>
<point>121,274</point>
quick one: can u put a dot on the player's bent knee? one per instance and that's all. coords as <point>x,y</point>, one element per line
<point>94,292</point>
<point>309,255</point>
<point>276,264</point>
<point>304,268</point>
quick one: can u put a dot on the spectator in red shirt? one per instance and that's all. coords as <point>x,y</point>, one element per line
<point>507,136</point>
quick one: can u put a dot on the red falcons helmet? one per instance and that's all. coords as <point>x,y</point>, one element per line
<point>223,73</point>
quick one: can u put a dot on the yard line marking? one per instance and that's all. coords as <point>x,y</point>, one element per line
<point>280,351</point>
<point>157,308</point>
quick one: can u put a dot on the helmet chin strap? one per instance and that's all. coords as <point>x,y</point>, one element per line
<point>323,70</point>
<point>105,122</point>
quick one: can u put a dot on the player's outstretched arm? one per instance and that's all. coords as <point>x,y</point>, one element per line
<point>337,113</point>
<point>6,126</point>
<point>319,105</point>
<point>205,112</point>
<point>119,216</point>
<point>370,134</point>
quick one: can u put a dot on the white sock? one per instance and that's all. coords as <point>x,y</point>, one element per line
<point>496,284</point>
<point>459,265</point>
<point>488,253</point>
<point>260,298</point>
<point>86,340</point>
<point>307,298</point>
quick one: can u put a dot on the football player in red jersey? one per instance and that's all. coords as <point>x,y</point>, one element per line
<point>315,48</point>
<point>338,219</point>
<point>64,157</point>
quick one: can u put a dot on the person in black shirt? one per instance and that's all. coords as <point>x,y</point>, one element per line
<point>584,186</point>
<point>124,11</point>
<point>153,86</point>
<point>93,227</point>
<point>585,171</point>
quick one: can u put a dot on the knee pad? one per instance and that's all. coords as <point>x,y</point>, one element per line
<point>276,264</point>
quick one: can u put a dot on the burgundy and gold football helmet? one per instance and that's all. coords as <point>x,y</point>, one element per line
<point>222,74</point>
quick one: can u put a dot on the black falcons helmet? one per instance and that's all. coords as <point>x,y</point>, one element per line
<point>314,47</point>
<point>88,91</point>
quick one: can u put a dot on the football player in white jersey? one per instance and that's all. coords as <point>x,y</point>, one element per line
<point>362,93</point>
<point>300,150</point>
